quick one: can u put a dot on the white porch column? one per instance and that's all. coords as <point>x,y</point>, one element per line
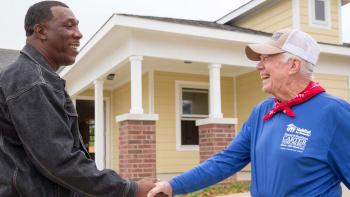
<point>99,125</point>
<point>74,101</point>
<point>136,84</point>
<point>214,91</point>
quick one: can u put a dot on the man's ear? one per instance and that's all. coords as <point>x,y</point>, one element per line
<point>294,66</point>
<point>40,32</point>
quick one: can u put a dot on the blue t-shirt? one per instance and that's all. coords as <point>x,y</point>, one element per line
<point>308,155</point>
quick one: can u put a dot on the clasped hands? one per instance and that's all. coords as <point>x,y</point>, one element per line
<point>151,188</point>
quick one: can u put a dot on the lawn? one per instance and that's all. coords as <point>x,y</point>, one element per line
<point>220,190</point>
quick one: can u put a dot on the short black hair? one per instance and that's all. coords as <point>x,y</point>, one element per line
<point>38,13</point>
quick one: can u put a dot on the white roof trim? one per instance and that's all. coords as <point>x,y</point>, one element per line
<point>184,29</point>
<point>241,10</point>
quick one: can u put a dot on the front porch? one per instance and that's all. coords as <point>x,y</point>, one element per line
<point>152,82</point>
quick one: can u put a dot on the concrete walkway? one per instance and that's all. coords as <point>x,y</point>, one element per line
<point>238,195</point>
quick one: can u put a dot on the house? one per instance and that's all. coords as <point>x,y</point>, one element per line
<point>7,56</point>
<point>149,90</point>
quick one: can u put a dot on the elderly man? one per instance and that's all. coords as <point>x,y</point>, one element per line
<point>41,151</point>
<point>297,142</point>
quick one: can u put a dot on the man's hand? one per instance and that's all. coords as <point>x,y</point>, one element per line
<point>162,188</point>
<point>144,186</point>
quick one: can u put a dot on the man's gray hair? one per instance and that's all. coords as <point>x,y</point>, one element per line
<point>307,68</point>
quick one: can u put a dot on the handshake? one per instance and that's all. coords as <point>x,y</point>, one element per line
<point>151,188</point>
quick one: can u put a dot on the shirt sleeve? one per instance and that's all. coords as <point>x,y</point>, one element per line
<point>44,129</point>
<point>339,149</point>
<point>218,167</point>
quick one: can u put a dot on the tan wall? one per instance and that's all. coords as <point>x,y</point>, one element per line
<point>336,85</point>
<point>269,19</point>
<point>321,34</point>
<point>120,103</point>
<point>249,94</point>
<point>168,159</point>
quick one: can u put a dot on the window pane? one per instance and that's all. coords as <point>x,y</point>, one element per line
<point>320,12</point>
<point>194,101</point>
<point>189,132</point>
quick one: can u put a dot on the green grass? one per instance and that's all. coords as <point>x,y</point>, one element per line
<point>220,190</point>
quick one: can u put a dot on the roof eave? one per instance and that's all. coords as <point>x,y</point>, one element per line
<point>241,10</point>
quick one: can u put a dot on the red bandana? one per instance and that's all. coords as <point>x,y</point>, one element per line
<point>310,91</point>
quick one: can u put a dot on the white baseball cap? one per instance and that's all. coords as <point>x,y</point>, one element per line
<point>293,41</point>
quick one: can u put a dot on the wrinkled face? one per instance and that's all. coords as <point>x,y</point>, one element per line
<point>63,36</point>
<point>273,70</point>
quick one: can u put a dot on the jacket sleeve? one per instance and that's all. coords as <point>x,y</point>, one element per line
<point>338,152</point>
<point>218,167</point>
<point>44,128</point>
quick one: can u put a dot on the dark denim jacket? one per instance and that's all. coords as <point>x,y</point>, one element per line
<point>41,151</point>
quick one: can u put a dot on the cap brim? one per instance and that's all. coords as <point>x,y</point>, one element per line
<point>254,51</point>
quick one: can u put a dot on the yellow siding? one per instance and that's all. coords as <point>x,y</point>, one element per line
<point>145,97</point>
<point>249,94</point>
<point>168,159</point>
<point>336,85</point>
<point>269,19</point>
<point>227,99</point>
<point>120,104</point>
<point>321,34</point>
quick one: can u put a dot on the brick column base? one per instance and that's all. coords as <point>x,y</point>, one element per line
<point>137,146</point>
<point>212,139</point>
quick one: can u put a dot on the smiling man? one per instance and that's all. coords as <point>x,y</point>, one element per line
<point>41,151</point>
<point>297,141</point>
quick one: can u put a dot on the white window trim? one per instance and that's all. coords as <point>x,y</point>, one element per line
<point>317,23</point>
<point>178,108</point>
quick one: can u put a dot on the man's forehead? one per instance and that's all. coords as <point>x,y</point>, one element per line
<point>62,13</point>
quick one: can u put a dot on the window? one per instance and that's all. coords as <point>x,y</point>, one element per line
<point>319,13</point>
<point>194,107</point>
<point>192,104</point>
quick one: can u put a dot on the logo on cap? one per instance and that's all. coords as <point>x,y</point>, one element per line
<point>276,36</point>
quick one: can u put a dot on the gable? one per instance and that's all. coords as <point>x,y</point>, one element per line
<point>271,15</point>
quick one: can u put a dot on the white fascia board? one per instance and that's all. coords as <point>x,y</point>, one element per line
<point>241,10</point>
<point>335,50</point>
<point>190,30</point>
<point>90,44</point>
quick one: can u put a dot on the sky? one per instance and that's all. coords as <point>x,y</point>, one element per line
<point>92,14</point>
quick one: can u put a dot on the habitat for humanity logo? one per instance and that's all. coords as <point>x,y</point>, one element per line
<point>295,138</point>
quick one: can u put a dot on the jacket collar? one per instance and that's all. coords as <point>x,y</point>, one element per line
<point>34,55</point>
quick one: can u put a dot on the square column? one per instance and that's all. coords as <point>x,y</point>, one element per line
<point>99,125</point>
<point>137,145</point>
<point>214,136</point>
<point>136,84</point>
<point>214,91</point>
